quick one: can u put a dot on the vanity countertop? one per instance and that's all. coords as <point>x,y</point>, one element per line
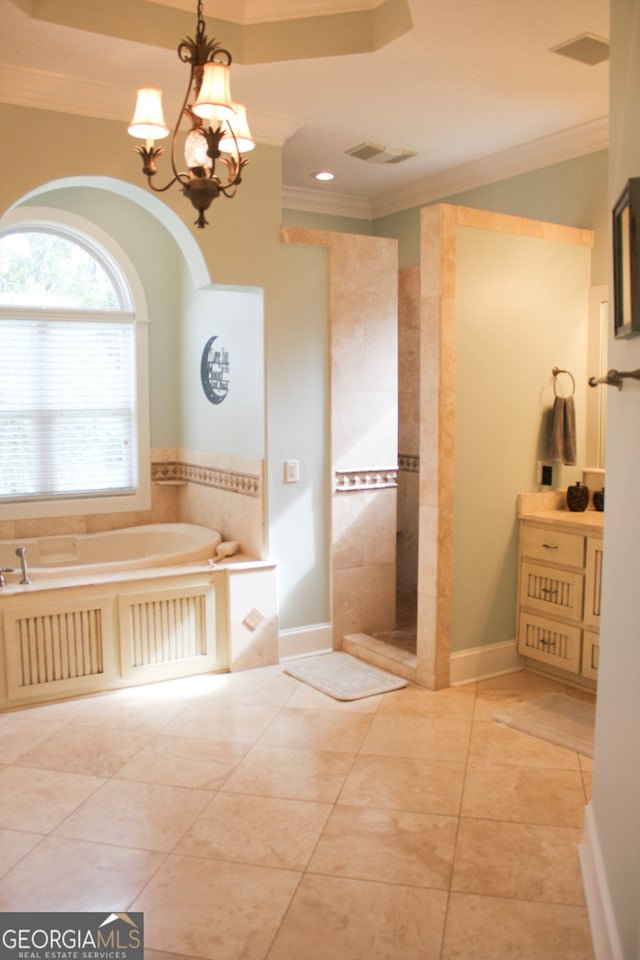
<point>550,508</point>
<point>587,521</point>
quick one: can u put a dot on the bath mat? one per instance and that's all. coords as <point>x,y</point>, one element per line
<point>344,677</point>
<point>566,721</point>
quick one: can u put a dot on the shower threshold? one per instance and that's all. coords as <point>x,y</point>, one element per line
<point>396,660</point>
<point>401,637</point>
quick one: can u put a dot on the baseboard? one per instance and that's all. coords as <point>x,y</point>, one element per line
<point>482,663</point>
<point>604,931</point>
<point>305,641</point>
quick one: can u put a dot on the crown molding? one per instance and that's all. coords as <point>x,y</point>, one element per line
<point>259,11</point>
<point>334,204</point>
<point>272,129</point>
<point>566,145</point>
<point>62,93</point>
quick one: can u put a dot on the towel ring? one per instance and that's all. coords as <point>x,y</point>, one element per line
<point>556,373</point>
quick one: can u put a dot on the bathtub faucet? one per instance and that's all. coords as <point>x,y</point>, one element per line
<point>22,553</point>
<point>3,570</point>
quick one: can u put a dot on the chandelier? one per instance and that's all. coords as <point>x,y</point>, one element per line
<point>217,127</point>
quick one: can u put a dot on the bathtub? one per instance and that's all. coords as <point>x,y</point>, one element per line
<point>130,548</point>
<point>130,607</point>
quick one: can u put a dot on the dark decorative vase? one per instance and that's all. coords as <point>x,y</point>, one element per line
<point>598,500</point>
<point>577,497</point>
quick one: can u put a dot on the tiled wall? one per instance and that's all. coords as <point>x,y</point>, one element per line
<point>363,555</point>
<point>408,436</point>
<point>217,491</point>
<point>437,443</point>
<point>56,526</point>
<point>364,378</point>
<point>363,290</point>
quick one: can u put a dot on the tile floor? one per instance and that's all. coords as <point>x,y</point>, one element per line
<point>252,818</point>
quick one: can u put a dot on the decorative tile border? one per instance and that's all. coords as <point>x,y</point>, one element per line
<point>409,462</point>
<point>246,484</point>
<point>349,480</point>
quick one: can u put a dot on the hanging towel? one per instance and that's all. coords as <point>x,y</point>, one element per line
<point>563,431</point>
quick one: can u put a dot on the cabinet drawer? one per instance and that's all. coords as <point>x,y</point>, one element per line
<point>558,592</point>
<point>550,642</point>
<point>555,546</point>
<point>590,654</point>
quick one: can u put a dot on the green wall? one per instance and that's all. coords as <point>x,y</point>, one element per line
<point>521,309</point>
<point>236,424</point>
<point>405,227</point>
<point>325,221</point>
<point>573,193</point>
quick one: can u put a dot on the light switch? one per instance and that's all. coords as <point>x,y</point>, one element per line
<point>292,471</point>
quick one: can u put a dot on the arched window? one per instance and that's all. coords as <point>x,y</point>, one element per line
<point>69,417</point>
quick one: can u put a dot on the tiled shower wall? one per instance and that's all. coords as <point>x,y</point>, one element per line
<point>363,291</point>
<point>364,378</point>
<point>408,439</point>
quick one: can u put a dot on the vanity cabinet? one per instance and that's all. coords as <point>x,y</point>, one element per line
<point>559,592</point>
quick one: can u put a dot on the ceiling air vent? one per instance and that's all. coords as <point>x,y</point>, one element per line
<point>378,153</point>
<point>587,48</point>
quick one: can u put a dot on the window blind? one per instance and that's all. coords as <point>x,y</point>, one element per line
<point>67,408</point>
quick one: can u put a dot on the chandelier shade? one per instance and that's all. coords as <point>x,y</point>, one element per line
<point>239,131</point>
<point>148,119</point>
<point>214,98</point>
<point>216,127</point>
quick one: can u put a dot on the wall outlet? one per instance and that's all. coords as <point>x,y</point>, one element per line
<point>545,474</point>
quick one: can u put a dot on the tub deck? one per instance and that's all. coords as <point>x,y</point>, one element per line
<point>64,636</point>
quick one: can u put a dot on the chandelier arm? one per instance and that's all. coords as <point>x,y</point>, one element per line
<point>234,163</point>
<point>179,178</point>
<point>182,177</point>
<point>230,189</point>
<point>234,168</point>
<point>234,159</point>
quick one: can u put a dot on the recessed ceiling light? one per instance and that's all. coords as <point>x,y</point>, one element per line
<point>324,175</point>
